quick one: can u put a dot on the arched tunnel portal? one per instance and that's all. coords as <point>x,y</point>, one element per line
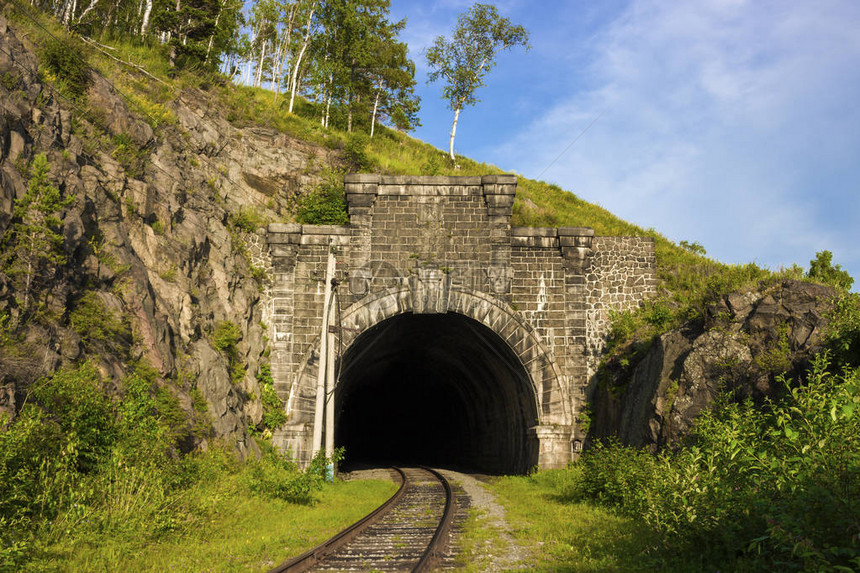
<point>440,389</point>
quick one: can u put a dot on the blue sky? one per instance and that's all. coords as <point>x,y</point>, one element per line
<point>729,122</point>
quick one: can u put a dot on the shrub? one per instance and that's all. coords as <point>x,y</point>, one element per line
<point>68,66</point>
<point>276,475</point>
<point>822,269</point>
<point>129,155</point>
<point>843,331</point>
<point>770,487</point>
<point>325,205</point>
<point>248,220</point>
<point>97,324</point>
<point>356,152</point>
<point>226,339</point>
<point>273,409</point>
<point>226,336</point>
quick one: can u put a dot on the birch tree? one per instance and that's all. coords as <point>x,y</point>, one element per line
<point>297,61</point>
<point>464,60</point>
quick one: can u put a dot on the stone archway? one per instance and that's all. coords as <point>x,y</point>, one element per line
<point>546,436</point>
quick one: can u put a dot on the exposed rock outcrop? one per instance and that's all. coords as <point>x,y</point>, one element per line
<point>149,231</point>
<point>748,339</point>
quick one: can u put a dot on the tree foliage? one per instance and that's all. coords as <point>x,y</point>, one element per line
<point>344,55</point>
<point>33,246</point>
<point>464,60</point>
<point>822,269</point>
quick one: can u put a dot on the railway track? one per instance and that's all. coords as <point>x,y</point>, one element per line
<point>406,533</point>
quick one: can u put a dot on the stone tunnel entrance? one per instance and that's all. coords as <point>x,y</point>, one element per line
<point>467,341</point>
<point>438,389</point>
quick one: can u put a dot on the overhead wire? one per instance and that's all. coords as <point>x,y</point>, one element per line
<point>88,159</point>
<point>581,133</point>
<point>153,121</point>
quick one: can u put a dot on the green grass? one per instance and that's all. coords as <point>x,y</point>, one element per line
<point>479,540</point>
<point>237,532</point>
<point>568,536</point>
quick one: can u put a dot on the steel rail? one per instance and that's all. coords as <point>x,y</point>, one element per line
<point>312,556</point>
<point>434,550</point>
<point>430,556</point>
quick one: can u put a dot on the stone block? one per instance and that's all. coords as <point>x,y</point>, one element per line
<point>504,179</point>
<point>352,178</point>
<point>325,230</point>
<point>275,228</point>
<point>534,232</point>
<point>576,231</point>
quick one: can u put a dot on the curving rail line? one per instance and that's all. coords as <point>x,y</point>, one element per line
<point>406,533</point>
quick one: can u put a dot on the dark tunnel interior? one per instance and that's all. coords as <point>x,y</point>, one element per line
<point>440,390</point>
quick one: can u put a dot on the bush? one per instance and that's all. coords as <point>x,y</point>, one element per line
<point>129,155</point>
<point>273,409</point>
<point>843,331</point>
<point>226,336</point>
<point>68,66</point>
<point>248,220</point>
<point>277,476</point>
<point>226,339</point>
<point>356,153</point>
<point>822,269</point>
<point>325,205</point>
<point>98,325</point>
<point>766,488</point>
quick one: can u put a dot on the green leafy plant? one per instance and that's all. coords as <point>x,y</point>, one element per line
<point>32,247</point>
<point>9,80</point>
<point>273,409</point>
<point>325,205</point>
<point>129,155</point>
<point>355,150</point>
<point>822,269</point>
<point>68,67</point>
<point>248,220</point>
<point>276,475</point>
<point>226,338</point>
<point>776,357</point>
<point>843,331</point>
<point>758,487</point>
<point>98,325</point>
<point>694,247</point>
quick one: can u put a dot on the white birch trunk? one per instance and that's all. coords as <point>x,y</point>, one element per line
<point>375,108</point>
<point>295,75</point>
<point>349,114</point>
<point>258,77</point>
<point>87,10</point>
<point>144,27</point>
<point>453,132</point>
<point>283,49</point>
<point>212,37</point>
<point>327,107</point>
<point>67,13</point>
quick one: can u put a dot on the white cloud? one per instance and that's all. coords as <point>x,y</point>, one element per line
<point>720,117</point>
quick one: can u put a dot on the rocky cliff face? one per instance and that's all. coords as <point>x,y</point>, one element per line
<point>747,340</point>
<point>151,232</point>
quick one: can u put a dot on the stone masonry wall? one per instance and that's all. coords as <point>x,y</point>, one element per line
<point>422,244</point>
<point>621,275</point>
